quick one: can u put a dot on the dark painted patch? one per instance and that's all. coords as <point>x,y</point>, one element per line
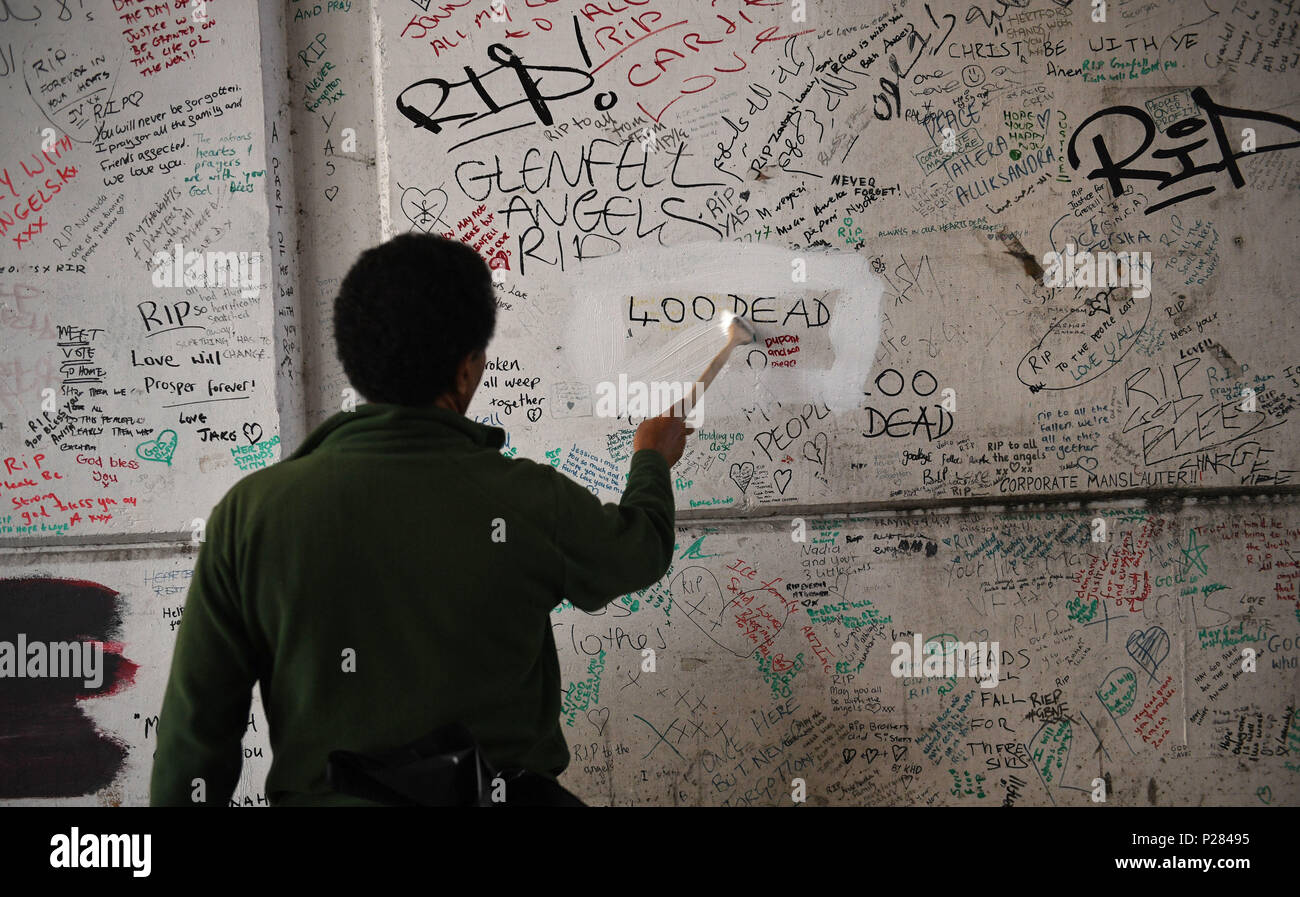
<point>51,747</point>
<point>1151,791</point>
<point>1234,370</point>
<point>1015,248</point>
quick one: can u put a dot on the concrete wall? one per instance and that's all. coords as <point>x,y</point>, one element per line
<point>1107,491</point>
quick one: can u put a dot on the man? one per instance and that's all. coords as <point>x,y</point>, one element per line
<point>397,573</point>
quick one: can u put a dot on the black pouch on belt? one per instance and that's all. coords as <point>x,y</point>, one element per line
<point>445,768</point>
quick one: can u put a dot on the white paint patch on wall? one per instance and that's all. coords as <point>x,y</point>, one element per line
<point>600,349</point>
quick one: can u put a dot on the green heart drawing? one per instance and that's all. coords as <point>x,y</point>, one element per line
<point>159,449</point>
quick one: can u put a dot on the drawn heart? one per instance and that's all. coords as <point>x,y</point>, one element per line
<point>570,404</point>
<point>331,192</point>
<point>703,603</point>
<point>742,474</point>
<point>744,194</point>
<point>900,751</point>
<point>872,753</point>
<point>160,449</point>
<point>1087,463</point>
<point>1015,155</point>
<point>252,432</point>
<point>534,414</point>
<point>782,481</point>
<point>69,120</point>
<point>818,449</point>
<point>424,207</point>
<point>905,779</point>
<point>849,754</point>
<point>1265,794</point>
<point>1015,466</point>
<point>604,720</point>
<point>1099,302</point>
<point>980,635</point>
<point>1149,648</point>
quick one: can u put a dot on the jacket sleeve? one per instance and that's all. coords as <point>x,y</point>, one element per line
<point>610,549</point>
<point>205,707</point>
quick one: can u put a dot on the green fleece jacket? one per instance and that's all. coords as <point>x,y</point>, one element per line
<point>394,574</point>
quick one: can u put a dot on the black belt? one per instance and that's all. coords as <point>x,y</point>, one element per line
<point>445,768</point>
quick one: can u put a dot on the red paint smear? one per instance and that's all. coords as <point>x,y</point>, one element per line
<point>123,674</point>
<point>81,583</point>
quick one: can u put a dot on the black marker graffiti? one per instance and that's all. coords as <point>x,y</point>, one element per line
<point>533,96</point>
<point>1116,173</point>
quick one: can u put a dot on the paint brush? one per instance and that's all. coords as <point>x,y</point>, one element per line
<point>739,333</point>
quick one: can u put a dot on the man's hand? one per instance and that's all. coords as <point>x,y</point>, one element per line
<point>665,434</point>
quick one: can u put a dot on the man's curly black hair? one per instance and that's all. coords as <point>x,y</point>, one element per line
<point>408,313</point>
